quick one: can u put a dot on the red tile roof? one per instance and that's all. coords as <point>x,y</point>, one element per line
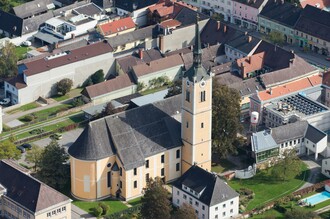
<point>291,87</point>
<point>108,86</point>
<point>170,23</point>
<point>116,26</point>
<point>326,79</point>
<point>86,52</point>
<point>17,81</point>
<point>251,63</point>
<point>165,11</point>
<point>321,4</point>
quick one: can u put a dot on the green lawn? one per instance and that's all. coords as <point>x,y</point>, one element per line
<point>115,206</point>
<point>271,212</point>
<point>21,52</point>
<point>25,107</point>
<point>266,189</point>
<point>222,165</point>
<point>136,201</point>
<point>59,98</point>
<point>153,90</point>
<point>44,114</point>
<point>325,214</point>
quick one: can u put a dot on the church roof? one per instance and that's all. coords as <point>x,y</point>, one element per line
<point>131,135</point>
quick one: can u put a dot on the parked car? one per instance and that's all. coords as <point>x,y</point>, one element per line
<point>56,136</point>
<point>21,148</point>
<point>5,101</point>
<point>27,146</point>
<point>26,43</point>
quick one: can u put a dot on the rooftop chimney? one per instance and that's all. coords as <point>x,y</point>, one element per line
<point>249,39</point>
<point>270,91</point>
<point>225,28</point>
<point>218,25</point>
<point>141,54</point>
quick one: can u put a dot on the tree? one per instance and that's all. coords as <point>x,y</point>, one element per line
<point>174,89</point>
<point>34,156</point>
<point>8,61</point>
<point>53,170</point>
<point>287,166</point>
<point>225,119</point>
<point>97,77</point>
<point>298,213</point>
<point>276,37</point>
<point>185,212</point>
<point>5,5</point>
<point>109,109</point>
<point>155,203</point>
<point>8,150</point>
<point>64,86</point>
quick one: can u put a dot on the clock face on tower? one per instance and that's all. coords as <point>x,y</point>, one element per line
<point>202,83</point>
<point>187,83</point>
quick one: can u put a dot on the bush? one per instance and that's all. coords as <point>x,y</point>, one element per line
<point>28,118</point>
<point>78,101</point>
<point>97,77</point>
<point>105,208</point>
<point>64,86</point>
<point>97,211</point>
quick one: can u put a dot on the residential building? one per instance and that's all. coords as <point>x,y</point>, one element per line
<point>325,168</point>
<point>210,196</point>
<point>38,77</point>
<point>300,136</point>
<point>23,196</point>
<point>116,155</point>
<point>107,5</point>
<point>246,12</point>
<point>33,8</point>
<point>312,30</point>
<point>323,5</point>
<point>279,16</point>
<point>116,27</point>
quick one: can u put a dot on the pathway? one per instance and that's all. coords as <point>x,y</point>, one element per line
<point>78,213</point>
<point>315,170</point>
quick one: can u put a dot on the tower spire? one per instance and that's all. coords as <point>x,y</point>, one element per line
<point>197,47</point>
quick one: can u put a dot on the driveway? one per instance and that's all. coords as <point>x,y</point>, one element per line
<point>315,170</point>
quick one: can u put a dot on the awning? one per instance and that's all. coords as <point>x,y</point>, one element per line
<point>46,37</point>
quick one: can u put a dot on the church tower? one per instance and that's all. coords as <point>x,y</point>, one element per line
<point>196,120</point>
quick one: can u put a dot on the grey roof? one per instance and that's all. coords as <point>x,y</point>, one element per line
<point>215,189</point>
<point>150,98</point>
<point>11,23</point>
<point>187,17</point>
<point>283,13</point>
<point>136,35</point>
<point>315,22</point>
<point>262,141</point>
<point>26,190</point>
<point>314,134</point>
<point>46,37</point>
<point>105,4</point>
<point>132,5</point>
<point>242,44</point>
<point>94,110</point>
<point>31,8</point>
<point>132,135</point>
<point>290,131</point>
<point>89,9</point>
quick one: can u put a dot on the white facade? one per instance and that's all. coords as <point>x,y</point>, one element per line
<point>325,169</point>
<point>319,147</point>
<point>226,209</point>
<point>43,84</point>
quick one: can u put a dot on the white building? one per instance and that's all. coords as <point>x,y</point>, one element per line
<point>39,77</point>
<point>209,195</point>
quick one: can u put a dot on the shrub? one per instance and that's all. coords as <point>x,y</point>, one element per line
<point>64,86</point>
<point>105,208</point>
<point>97,211</point>
<point>97,77</point>
<point>78,101</point>
<point>28,118</point>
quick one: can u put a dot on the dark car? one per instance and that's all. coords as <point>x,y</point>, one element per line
<point>21,148</point>
<point>27,146</point>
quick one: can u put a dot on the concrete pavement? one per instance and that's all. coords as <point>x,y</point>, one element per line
<point>315,170</point>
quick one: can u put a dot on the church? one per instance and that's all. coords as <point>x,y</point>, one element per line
<point>117,155</point>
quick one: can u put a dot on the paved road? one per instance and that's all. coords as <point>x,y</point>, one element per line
<point>315,170</point>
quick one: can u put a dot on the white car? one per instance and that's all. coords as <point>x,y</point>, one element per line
<point>26,43</point>
<point>5,101</point>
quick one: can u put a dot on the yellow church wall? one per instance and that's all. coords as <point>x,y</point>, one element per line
<point>202,152</point>
<point>102,176</point>
<point>207,104</point>
<point>187,131</point>
<point>203,134</point>
<point>186,104</point>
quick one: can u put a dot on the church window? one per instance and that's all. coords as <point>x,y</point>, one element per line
<point>147,177</point>
<point>135,171</point>
<point>162,172</point>
<point>178,167</point>
<point>120,171</point>
<point>178,153</point>
<point>109,165</point>
<point>202,96</point>
<point>147,163</point>
<point>121,184</point>
<point>202,125</point>
<point>109,179</point>
<point>135,184</point>
<point>188,96</point>
<point>187,124</point>
<point>162,159</point>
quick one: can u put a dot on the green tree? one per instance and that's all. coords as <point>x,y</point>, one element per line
<point>109,109</point>
<point>174,88</point>
<point>64,86</point>
<point>140,86</point>
<point>225,119</point>
<point>97,77</point>
<point>5,5</point>
<point>52,168</point>
<point>155,203</point>
<point>287,166</point>
<point>298,213</point>
<point>8,150</point>
<point>34,156</point>
<point>8,61</point>
<point>185,212</point>
<point>276,37</point>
